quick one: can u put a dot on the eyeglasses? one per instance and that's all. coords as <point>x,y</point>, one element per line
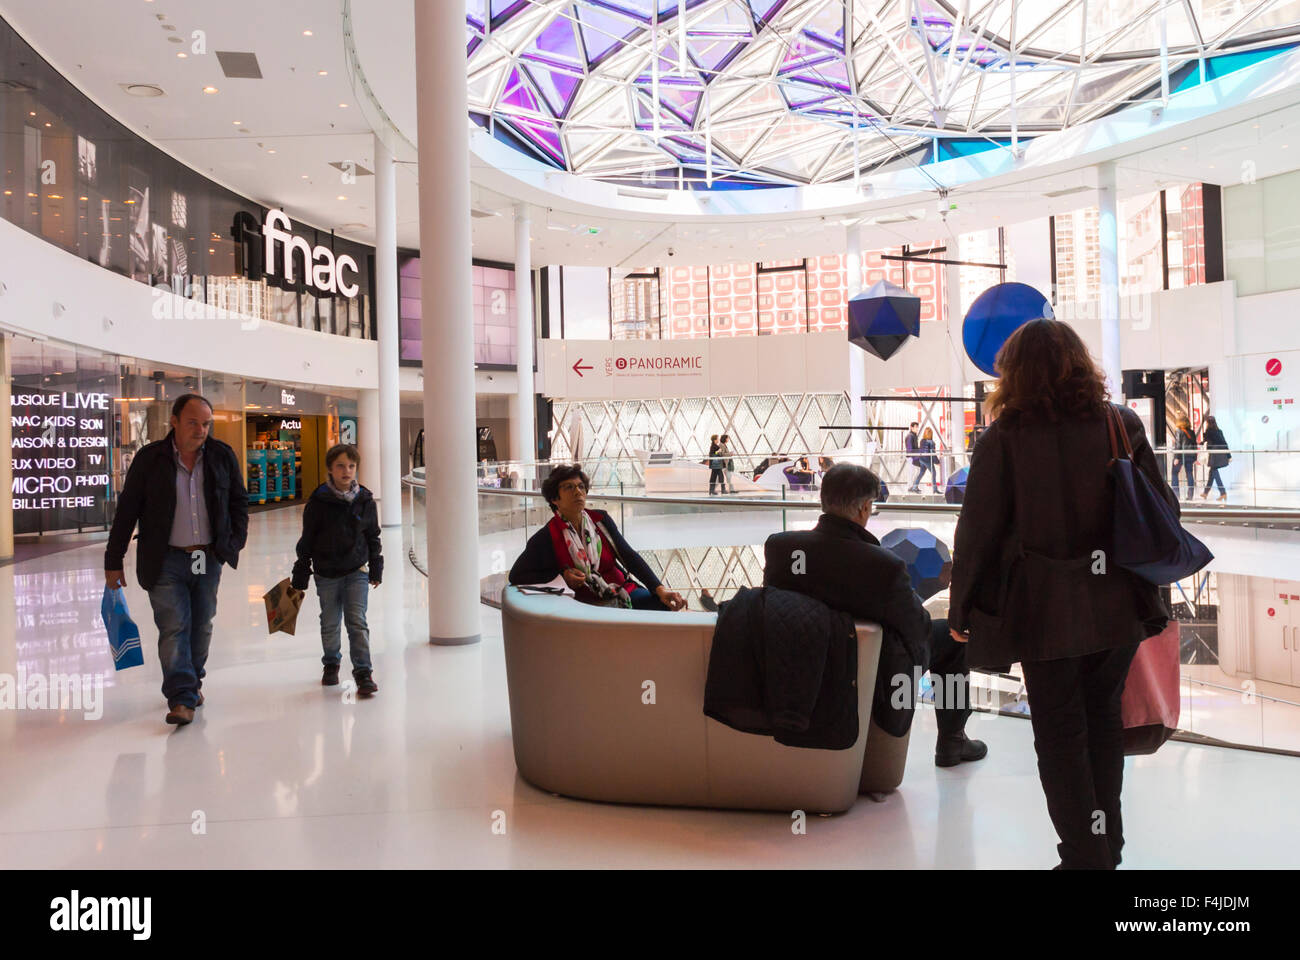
<point>571,485</point>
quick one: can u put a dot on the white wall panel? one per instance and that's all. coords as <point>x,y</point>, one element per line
<point>105,311</point>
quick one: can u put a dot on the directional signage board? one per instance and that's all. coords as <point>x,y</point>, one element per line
<point>647,369</point>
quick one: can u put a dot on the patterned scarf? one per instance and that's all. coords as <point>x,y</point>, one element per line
<point>348,495</point>
<point>585,548</point>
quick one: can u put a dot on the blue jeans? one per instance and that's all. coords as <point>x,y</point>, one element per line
<point>1214,478</point>
<point>921,470</point>
<point>183,606</point>
<point>643,599</point>
<point>1188,466</point>
<point>345,598</point>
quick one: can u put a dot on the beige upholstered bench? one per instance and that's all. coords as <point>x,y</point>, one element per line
<point>579,680</point>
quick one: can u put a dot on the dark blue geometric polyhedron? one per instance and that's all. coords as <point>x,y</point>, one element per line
<point>884,318</point>
<point>929,562</point>
<point>955,491</point>
<point>883,495</point>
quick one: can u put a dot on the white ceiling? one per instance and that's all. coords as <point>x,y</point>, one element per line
<point>296,113</point>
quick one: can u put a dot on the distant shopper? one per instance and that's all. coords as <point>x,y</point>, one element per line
<point>1219,457</point>
<point>1185,455</point>
<point>1027,585</point>
<point>728,466</point>
<point>586,549</point>
<point>340,541</point>
<point>716,466</point>
<point>912,447</point>
<point>924,462</point>
<point>186,492</point>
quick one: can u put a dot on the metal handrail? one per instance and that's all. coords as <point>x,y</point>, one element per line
<point>1222,515</point>
<point>1258,696</point>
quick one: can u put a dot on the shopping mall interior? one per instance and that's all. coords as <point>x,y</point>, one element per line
<point>623,232</point>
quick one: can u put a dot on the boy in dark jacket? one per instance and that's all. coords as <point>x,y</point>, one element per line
<point>340,536</point>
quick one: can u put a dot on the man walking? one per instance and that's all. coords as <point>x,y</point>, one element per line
<point>187,495</point>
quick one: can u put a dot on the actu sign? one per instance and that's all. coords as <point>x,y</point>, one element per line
<point>290,424</point>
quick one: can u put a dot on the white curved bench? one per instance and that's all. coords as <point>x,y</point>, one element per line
<point>577,674</point>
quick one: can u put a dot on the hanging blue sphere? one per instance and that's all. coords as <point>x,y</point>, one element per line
<point>997,313</point>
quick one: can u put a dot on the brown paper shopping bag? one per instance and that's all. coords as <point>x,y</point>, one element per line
<point>282,606</point>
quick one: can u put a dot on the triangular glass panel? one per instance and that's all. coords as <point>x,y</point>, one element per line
<point>503,10</point>
<point>557,87</point>
<point>833,75</point>
<point>475,10</point>
<point>828,26</point>
<point>682,101</point>
<point>711,53</point>
<point>803,53</point>
<point>518,97</point>
<point>763,9</point>
<point>557,43</point>
<point>602,32</point>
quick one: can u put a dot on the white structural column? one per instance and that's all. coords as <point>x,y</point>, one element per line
<point>1108,308</point>
<point>857,356</point>
<point>372,472</point>
<point>523,433</point>
<point>388,423</point>
<point>952,306</point>
<point>451,506</point>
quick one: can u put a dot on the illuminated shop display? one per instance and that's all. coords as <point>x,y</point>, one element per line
<point>495,322</point>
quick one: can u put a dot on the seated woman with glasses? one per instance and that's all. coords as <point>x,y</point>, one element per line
<point>585,548</point>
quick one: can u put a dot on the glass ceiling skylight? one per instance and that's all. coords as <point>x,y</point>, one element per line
<point>671,93</point>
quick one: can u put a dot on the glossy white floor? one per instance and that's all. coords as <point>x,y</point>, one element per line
<point>280,772</point>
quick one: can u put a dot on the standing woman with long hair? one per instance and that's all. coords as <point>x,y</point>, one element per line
<point>1031,581</point>
<point>1185,441</point>
<point>1217,447</point>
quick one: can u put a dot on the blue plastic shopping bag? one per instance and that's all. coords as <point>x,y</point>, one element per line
<point>123,634</point>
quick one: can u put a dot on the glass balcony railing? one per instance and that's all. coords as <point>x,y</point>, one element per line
<point>707,547</point>
<point>1262,479</point>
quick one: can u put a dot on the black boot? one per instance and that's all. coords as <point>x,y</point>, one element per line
<point>330,675</point>
<point>366,686</point>
<point>950,751</point>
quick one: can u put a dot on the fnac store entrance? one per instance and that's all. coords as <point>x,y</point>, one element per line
<point>283,457</point>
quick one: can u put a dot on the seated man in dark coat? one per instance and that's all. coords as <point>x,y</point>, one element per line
<point>845,567</point>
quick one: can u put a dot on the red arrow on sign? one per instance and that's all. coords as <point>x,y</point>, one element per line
<point>578,369</point>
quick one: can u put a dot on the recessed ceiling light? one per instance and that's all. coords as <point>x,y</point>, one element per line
<point>237,122</point>
<point>322,73</point>
<point>209,89</point>
<point>343,105</point>
<point>270,151</point>
<point>304,176</point>
<point>306,33</point>
<point>48,124</point>
<point>32,113</point>
<point>341,197</point>
<point>143,89</point>
<point>182,55</point>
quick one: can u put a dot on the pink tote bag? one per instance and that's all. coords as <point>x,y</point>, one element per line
<point>1151,699</point>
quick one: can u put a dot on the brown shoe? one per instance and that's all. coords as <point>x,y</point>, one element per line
<point>180,715</point>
